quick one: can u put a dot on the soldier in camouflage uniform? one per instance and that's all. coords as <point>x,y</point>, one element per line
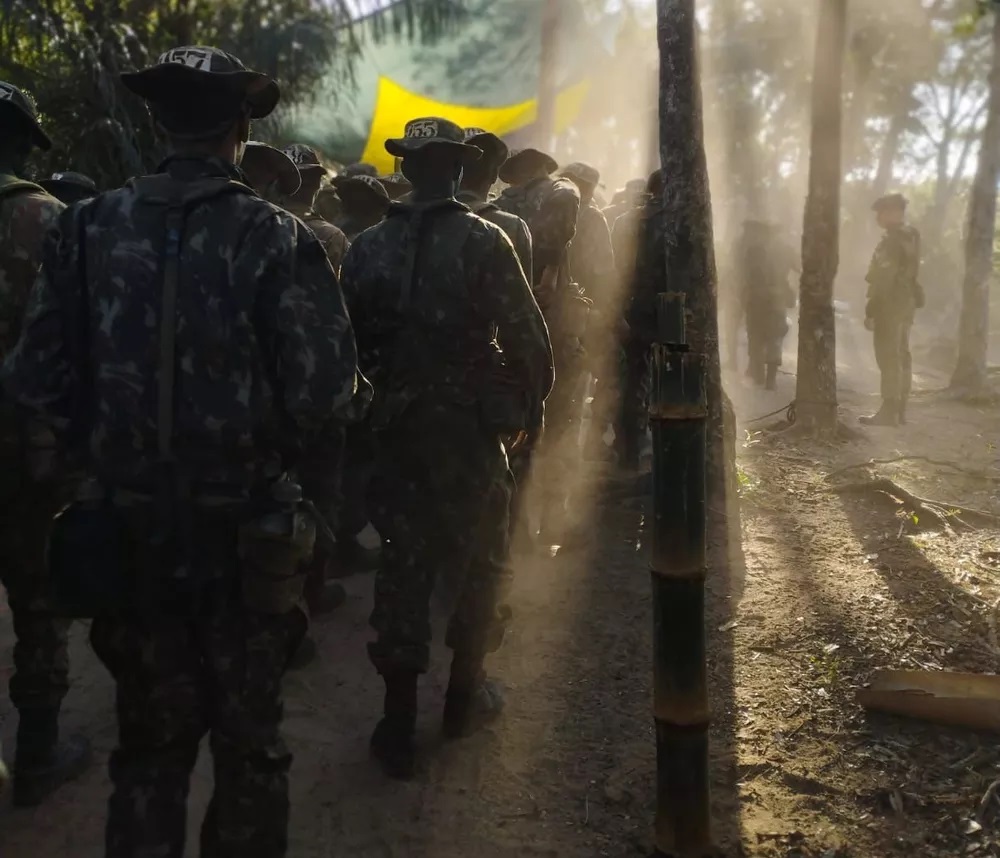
<point>550,207</point>
<point>364,201</point>
<point>477,179</point>
<point>41,661</point>
<point>185,418</point>
<point>894,293</point>
<point>69,187</point>
<point>629,198</point>
<point>300,204</point>
<point>272,174</point>
<point>640,261</point>
<point>764,265</point>
<point>457,349</point>
<point>592,262</point>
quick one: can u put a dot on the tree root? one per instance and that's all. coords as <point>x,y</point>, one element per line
<point>946,515</point>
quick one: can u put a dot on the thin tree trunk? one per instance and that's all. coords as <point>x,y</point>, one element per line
<point>973,336</point>
<point>816,387</point>
<point>887,155</point>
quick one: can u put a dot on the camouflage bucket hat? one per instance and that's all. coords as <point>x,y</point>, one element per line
<point>431,131</point>
<point>360,168</point>
<point>524,160</point>
<point>18,105</point>
<point>361,191</point>
<point>188,69</point>
<point>580,172</point>
<point>260,158</point>
<point>396,184</point>
<point>494,149</point>
<point>305,158</point>
<point>890,201</point>
<point>69,185</point>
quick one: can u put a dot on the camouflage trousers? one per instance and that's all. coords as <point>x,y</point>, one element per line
<point>440,501</point>
<point>41,658</point>
<point>178,679</point>
<point>892,354</point>
<point>766,330</point>
<point>358,463</point>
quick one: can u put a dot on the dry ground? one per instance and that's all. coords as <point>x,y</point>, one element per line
<point>833,587</point>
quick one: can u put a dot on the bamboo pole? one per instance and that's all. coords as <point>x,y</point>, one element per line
<point>679,415</point>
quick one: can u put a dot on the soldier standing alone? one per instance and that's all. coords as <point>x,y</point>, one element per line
<point>456,348</point>
<point>195,338</point>
<point>894,293</point>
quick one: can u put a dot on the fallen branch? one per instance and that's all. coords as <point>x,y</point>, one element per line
<point>937,462</point>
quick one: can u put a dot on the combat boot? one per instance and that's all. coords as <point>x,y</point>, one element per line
<point>771,380</point>
<point>42,763</point>
<point>887,415</point>
<point>472,701</point>
<point>392,743</point>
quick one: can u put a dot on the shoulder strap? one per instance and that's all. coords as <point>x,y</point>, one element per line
<point>168,331</point>
<point>452,246</point>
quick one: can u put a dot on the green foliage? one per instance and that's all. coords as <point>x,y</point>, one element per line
<point>69,54</point>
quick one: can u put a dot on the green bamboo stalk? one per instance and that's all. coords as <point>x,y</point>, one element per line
<point>679,416</point>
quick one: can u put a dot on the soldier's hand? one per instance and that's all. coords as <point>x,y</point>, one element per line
<point>517,443</point>
<point>549,282</point>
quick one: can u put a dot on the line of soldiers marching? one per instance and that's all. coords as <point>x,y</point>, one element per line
<point>217,375</point>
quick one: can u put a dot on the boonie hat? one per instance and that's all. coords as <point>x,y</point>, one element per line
<point>18,104</point>
<point>69,186</point>
<point>431,131</point>
<point>305,158</point>
<point>494,149</point>
<point>396,184</point>
<point>525,159</point>
<point>361,190</point>
<point>584,173</point>
<point>359,168</point>
<point>195,66</point>
<point>261,156</point>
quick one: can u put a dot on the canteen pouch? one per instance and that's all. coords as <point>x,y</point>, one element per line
<point>273,550</point>
<point>87,561</point>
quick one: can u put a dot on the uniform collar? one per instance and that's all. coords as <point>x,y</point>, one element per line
<point>193,167</point>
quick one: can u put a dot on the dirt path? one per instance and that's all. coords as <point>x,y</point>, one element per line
<point>833,587</point>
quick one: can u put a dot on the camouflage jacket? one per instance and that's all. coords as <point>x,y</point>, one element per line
<point>550,208</point>
<point>25,217</point>
<point>265,353</point>
<point>515,228</point>
<point>352,226</point>
<point>592,259</point>
<point>428,287</point>
<point>640,253</point>
<point>893,285</point>
<point>332,238</point>
<point>763,266</point>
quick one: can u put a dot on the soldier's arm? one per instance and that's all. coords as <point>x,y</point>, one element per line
<point>304,318</point>
<point>38,375</point>
<point>506,298</point>
<point>522,245</point>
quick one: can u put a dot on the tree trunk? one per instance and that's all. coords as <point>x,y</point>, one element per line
<point>887,154</point>
<point>687,224</point>
<point>816,387</point>
<point>690,453</point>
<point>973,336</point>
